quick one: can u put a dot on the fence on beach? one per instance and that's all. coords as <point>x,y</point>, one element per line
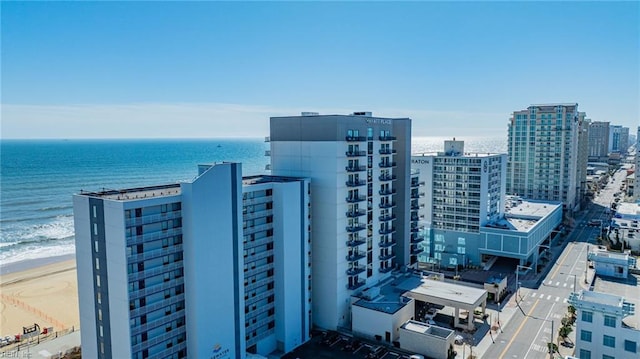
<point>40,314</point>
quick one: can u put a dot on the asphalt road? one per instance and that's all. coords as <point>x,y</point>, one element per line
<point>545,302</point>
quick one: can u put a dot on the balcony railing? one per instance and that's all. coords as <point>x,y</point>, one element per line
<point>386,257</point>
<point>355,138</point>
<point>358,241</point>
<point>355,270</point>
<point>387,192</point>
<point>387,230</point>
<point>386,244</point>
<point>356,153</point>
<point>416,250</point>
<point>387,138</point>
<point>385,178</point>
<point>138,221</point>
<point>357,183</point>
<point>387,205</point>
<point>356,227</point>
<point>358,213</point>
<point>417,229</point>
<point>355,199</point>
<point>417,206</point>
<point>417,183</point>
<point>354,256</point>
<point>388,164</point>
<point>355,168</point>
<point>387,218</point>
<point>387,151</point>
<point>416,240</point>
<point>417,195</point>
<point>357,284</point>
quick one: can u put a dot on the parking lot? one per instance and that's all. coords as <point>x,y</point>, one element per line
<point>332,345</point>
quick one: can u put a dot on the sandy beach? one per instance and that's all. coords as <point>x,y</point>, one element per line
<point>46,295</point>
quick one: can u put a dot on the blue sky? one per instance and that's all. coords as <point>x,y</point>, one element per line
<point>213,69</point>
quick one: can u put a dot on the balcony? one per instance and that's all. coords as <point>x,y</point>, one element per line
<point>387,164</point>
<point>386,257</point>
<point>267,139</point>
<point>387,138</point>
<point>355,168</point>
<point>356,284</point>
<point>357,241</point>
<point>416,229</point>
<point>416,195</point>
<point>356,227</point>
<point>355,199</point>
<point>386,178</point>
<point>385,269</point>
<point>389,230</point>
<point>386,244</point>
<point>415,217</point>
<point>387,205</point>
<point>267,153</point>
<point>387,218</point>
<point>355,270</point>
<point>356,153</point>
<point>415,183</point>
<point>357,183</point>
<point>387,151</point>
<point>416,251</point>
<point>417,206</point>
<point>355,255</point>
<point>139,221</point>
<point>416,240</point>
<point>387,192</point>
<point>354,214</point>
<point>355,138</point>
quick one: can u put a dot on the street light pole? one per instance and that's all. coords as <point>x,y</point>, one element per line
<point>517,281</point>
<point>552,348</point>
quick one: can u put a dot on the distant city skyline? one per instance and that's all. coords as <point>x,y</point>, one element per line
<point>221,69</point>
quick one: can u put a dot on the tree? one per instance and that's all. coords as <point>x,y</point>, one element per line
<point>564,331</point>
<point>552,347</point>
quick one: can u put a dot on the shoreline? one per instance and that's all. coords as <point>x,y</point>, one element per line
<point>27,264</point>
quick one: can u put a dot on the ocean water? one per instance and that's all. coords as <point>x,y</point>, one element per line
<point>39,177</point>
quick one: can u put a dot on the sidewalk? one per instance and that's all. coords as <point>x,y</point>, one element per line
<point>54,348</point>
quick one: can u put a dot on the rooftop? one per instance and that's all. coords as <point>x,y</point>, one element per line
<point>258,179</point>
<point>386,298</point>
<point>464,155</point>
<point>427,329</point>
<point>135,193</point>
<point>612,290</point>
<point>522,214</point>
<point>443,290</point>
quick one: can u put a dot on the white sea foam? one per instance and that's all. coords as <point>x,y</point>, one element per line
<point>31,252</point>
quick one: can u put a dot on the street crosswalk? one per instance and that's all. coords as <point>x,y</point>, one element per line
<point>557,284</point>
<point>548,297</point>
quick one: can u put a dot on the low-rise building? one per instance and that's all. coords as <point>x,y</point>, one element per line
<point>607,321</point>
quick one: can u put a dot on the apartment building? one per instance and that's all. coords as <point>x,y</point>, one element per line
<point>464,192</point>
<point>636,187</point>
<point>543,153</point>
<point>200,269</point>
<point>618,139</point>
<point>359,167</point>
<point>583,159</point>
<point>598,141</point>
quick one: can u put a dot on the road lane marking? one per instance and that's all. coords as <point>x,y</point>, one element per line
<point>564,300</point>
<point>549,297</point>
<point>557,284</point>
<point>519,329</point>
<point>543,328</point>
<point>564,285</point>
<point>533,295</point>
<point>550,282</point>
<point>557,299</point>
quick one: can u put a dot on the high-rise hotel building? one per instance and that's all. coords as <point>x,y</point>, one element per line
<point>599,141</point>
<point>211,268</point>
<point>543,153</point>
<point>359,167</point>
<point>464,193</point>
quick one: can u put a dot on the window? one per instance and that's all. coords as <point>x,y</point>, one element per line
<point>585,335</point>
<point>95,229</point>
<point>97,264</point>
<point>585,354</point>
<point>609,341</point>
<point>630,346</point>
<point>587,316</point>
<point>609,321</point>
<point>95,212</point>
